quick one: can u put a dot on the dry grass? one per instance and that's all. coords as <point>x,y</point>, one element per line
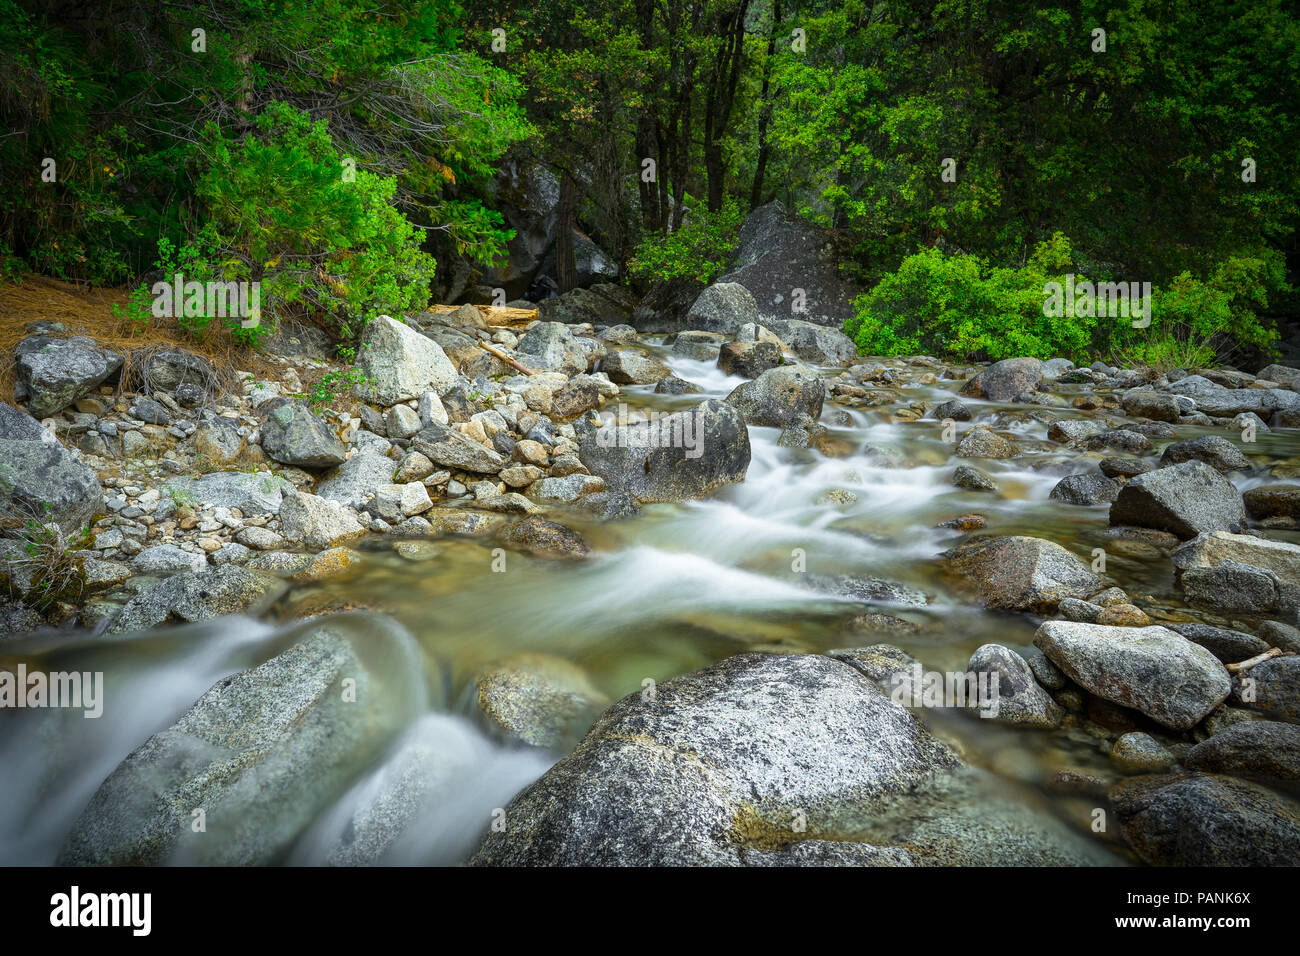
<point>90,312</point>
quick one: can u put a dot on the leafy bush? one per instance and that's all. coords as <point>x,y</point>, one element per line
<point>960,305</point>
<point>318,233</point>
<point>699,250</point>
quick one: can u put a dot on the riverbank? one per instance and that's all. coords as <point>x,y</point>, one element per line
<point>1113,544</point>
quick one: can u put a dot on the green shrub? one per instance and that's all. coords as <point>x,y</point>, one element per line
<point>961,306</point>
<point>700,249</point>
<point>320,235</point>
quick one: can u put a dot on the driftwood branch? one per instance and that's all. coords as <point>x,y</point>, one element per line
<point>505,358</point>
<point>1258,659</point>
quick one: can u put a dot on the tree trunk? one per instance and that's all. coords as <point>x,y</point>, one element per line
<point>566,268</point>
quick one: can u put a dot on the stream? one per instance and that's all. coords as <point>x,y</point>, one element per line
<point>673,589</point>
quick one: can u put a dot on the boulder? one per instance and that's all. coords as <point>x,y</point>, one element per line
<point>750,359</point>
<point>538,699</point>
<point>700,346</point>
<point>400,364</point>
<point>779,397</point>
<point>552,347</point>
<point>1273,501</point>
<point>1018,698</point>
<point>36,471</point>
<point>814,343</point>
<point>1274,687</point>
<point>688,454</point>
<point>450,449</point>
<point>633,367</point>
<point>1090,488</point>
<point>664,307</point>
<point>1010,380</point>
<point>1254,748</point>
<point>1020,573</point>
<point>258,494</point>
<point>357,478</point>
<point>191,596</point>
<point>544,538</point>
<point>261,753</point>
<point>983,442</point>
<point>315,522</point>
<point>168,370</point>
<point>717,764</point>
<point>1280,558</point>
<point>57,372</point>
<point>1231,586</point>
<point>1149,669</point>
<point>1206,820</point>
<point>1148,403</point>
<point>293,435</point>
<point>723,307</point>
<point>1186,499</point>
<point>777,254</point>
<point>1217,452</point>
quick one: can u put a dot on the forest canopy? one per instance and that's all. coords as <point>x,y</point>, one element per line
<point>341,151</point>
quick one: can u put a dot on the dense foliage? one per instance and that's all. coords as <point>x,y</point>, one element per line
<point>945,142</point>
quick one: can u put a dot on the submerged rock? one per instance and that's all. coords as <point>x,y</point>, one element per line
<point>261,754</point>
<point>541,700</point>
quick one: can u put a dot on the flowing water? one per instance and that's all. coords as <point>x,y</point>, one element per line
<point>673,589</point>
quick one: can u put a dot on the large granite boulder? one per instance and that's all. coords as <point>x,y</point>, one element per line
<point>36,471</point>
<point>1185,499</point>
<point>400,364</point>
<point>1020,573</point>
<point>57,372</point>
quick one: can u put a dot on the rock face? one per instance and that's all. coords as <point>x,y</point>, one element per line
<point>1150,669</point>
<point>779,397</point>
<point>779,253</point>
<point>723,307</point>
<point>1280,558</point>
<point>684,455</point>
<point>36,470</point>
<point>261,753</point>
<point>716,766</point>
<point>1007,381</point>
<point>1207,820</point>
<point>293,435</point>
<point>1021,573</point>
<point>57,372</point>
<point>1185,499</point>
<point>400,363</point>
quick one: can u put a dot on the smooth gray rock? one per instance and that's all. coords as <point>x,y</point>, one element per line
<point>1136,752</point>
<point>633,367</point>
<point>262,753</point>
<point>57,372</point>
<point>779,396</point>
<point>1020,573</point>
<point>1185,499</point>
<point>623,455</point>
<point>814,343</point>
<point>168,559</point>
<point>1231,586</point>
<point>359,476</point>
<point>36,471</point>
<point>1227,645</point>
<point>552,347</point>
<point>1150,669</point>
<point>253,494</point>
<point>541,700</point>
<point>293,435</point>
